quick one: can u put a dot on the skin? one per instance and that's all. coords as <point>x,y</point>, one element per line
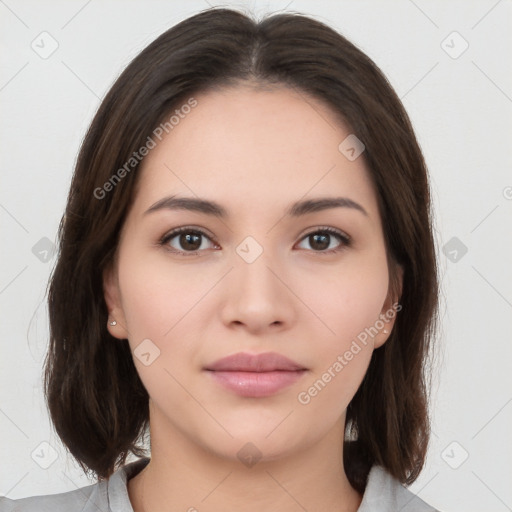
<point>254,152</point>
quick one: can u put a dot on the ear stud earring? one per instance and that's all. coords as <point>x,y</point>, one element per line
<point>113,322</point>
<point>385,331</point>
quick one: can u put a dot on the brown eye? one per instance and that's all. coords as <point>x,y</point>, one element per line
<point>190,241</point>
<point>326,240</point>
<point>320,242</point>
<point>186,240</point>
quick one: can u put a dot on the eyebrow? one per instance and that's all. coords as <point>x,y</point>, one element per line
<point>297,209</point>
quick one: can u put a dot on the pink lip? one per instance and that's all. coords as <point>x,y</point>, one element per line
<point>255,375</point>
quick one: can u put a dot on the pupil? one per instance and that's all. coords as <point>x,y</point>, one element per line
<point>190,241</point>
<point>320,241</point>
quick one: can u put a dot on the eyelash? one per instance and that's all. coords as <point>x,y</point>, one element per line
<point>345,240</point>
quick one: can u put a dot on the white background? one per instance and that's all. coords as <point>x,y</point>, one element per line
<point>461,110</point>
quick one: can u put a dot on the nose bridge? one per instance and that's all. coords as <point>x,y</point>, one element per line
<point>255,296</point>
<point>252,270</point>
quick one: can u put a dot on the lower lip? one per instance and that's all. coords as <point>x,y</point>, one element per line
<point>256,384</point>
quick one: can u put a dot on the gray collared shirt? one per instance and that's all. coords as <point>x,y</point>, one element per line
<point>383,494</point>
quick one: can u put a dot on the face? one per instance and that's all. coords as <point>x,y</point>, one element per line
<point>297,294</point>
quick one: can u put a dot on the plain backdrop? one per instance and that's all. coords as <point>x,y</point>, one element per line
<point>447,60</point>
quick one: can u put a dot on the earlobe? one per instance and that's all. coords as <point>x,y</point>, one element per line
<point>116,323</point>
<point>387,317</point>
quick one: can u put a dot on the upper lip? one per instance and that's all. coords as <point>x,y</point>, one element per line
<point>266,362</point>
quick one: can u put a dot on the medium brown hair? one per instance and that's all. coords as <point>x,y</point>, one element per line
<point>96,399</point>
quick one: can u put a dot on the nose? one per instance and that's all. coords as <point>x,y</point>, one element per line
<point>257,297</point>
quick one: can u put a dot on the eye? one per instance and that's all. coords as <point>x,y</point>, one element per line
<point>187,241</point>
<point>326,240</point>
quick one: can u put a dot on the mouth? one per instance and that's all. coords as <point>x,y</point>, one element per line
<point>255,376</point>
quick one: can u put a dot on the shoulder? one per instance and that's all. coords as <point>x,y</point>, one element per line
<point>106,496</point>
<point>85,499</point>
<point>384,493</point>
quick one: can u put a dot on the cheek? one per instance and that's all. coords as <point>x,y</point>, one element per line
<point>348,299</point>
<point>348,305</point>
<point>157,295</point>
<point>330,390</point>
<point>159,301</point>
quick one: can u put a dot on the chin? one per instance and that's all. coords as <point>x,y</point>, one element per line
<point>259,440</point>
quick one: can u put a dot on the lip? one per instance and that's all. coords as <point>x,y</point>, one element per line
<point>244,362</point>
<point>255,375</point>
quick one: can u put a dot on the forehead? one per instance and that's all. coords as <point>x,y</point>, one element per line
<point>242,145</point>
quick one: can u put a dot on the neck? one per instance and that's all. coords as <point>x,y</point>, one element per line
<point>184,476</point>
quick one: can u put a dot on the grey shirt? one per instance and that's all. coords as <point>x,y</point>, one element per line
<point>383,494</point>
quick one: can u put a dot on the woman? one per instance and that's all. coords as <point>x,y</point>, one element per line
<point>247,276</point>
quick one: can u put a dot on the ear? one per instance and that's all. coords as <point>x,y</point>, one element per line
<point>112,296</point>
<point>391,307</point>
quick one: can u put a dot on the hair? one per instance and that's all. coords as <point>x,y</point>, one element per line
<point>97,402</point>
